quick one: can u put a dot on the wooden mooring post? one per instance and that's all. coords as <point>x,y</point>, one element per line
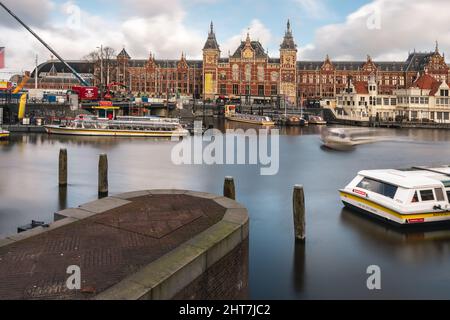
<point>103,175</point>
<point>229,189</point>
<point>298,200</point>
<point>62,175</point>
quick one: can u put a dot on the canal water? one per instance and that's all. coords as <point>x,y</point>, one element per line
<point>340,244</point>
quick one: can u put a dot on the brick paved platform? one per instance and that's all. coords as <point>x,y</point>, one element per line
<point>119,237</point>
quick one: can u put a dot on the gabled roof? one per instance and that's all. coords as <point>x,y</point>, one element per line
<point>417,61</point>
<point>256,46</point>
<point>123,54</point>
<point>425,82</point>
<point>435,88</point>
<point>361,87</point>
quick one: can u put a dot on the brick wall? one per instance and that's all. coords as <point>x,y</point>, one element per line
<point>226,279</point>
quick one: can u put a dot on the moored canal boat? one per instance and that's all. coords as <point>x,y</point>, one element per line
<point>88,125</point>
<point>4,134</point>
<point>317,120</point>
<point>232,115</point>
<point>416,196</point>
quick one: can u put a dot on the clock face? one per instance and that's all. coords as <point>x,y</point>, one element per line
<point>210,59</point>
<point>248,54</point>
<point>288,60</point>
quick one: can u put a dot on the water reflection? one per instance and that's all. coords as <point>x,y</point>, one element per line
<point>416,243</point>
<point>62,204</point>
<point>298,270</point>
<point>339,247</point>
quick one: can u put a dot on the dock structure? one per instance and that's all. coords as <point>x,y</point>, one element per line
<point>155,244</point>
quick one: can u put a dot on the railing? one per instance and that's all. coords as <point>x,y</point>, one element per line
<point>347,117</point>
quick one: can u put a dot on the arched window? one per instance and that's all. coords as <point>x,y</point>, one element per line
<point>261,74</point>
<point>235,70</point>
<point>248,72</point>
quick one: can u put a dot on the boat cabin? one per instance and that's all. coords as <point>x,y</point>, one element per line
<point>418,194</point>
<point>106,112</point>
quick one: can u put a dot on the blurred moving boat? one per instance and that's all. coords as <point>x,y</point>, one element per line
<point>419,195</point>
<point>88,125</point>
<point>232,115</point>
<point>345,139</point>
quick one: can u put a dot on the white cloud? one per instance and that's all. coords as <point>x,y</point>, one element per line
<point>163,33</point>
<point>403,26</point>
<point>314,8</point>
<point>257,31</point>
<point>34,12</point>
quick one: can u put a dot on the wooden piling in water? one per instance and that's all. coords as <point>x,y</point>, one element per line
<point>298,200</point>
<point>229,189</point>
<point>62,174</point>
<point>103,175</point>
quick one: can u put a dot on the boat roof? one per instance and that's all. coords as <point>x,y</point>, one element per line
<point>413,178</point>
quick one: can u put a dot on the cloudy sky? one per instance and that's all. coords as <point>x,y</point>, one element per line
<point>344,29</point>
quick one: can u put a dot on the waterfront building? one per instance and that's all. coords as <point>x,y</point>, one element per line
<point>249,73</point>
<point>425,100</point>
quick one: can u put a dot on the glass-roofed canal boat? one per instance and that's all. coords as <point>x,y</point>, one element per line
<point>419,195</point>
<point>88,125</point>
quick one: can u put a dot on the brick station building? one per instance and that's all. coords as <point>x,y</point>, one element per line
<point>250,73</point>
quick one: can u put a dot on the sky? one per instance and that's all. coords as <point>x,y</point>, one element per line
<point>343,29</point>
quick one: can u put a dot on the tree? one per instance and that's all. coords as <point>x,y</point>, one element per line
<point>108,57</point>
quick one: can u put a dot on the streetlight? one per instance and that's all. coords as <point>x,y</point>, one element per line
<point>101,68</point>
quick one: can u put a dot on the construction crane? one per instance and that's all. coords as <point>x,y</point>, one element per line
<point>24,81</point>
<point>108,95</point>
<point>79,77</point>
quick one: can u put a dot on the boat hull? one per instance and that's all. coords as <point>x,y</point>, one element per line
<point>318,123</point>
<point>257,122</point>
<point>113,133</point>
<point>4,135</point>
<point>366,206</point>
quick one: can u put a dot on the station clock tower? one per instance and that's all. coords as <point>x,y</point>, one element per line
<point>211,55</point>
<point>288,67</point>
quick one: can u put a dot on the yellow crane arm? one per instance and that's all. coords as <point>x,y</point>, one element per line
<point>22,84</point>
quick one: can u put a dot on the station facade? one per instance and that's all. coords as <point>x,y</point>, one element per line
<point>249,74</point>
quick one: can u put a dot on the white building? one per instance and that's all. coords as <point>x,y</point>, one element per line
<point>426,100</point>
<point>361,99</point>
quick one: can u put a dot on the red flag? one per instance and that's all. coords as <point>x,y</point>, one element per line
<point>2,57</point>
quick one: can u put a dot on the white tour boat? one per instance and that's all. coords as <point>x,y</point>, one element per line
<point>232,115</point>
<point>347,138</point>
<point>317,120</point>
<point>88,125</point>
<point>418,195</point>
<point>4,134</point>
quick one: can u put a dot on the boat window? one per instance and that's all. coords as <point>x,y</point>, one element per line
<point>383,188</point>
<point>439,194</point>
<point>427,195</point>
<point>415,198</point>
<point>448,195</point>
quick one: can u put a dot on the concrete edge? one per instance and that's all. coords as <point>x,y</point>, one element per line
<point>35,232</point>
<point>104,204</point>
<point>69,215</point>
<point>163,278</point>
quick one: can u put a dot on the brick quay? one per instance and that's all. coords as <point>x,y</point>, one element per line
<point>156,244</point>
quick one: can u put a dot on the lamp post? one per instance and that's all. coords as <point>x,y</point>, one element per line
<point>101,69</point>
<point>167,89</point>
